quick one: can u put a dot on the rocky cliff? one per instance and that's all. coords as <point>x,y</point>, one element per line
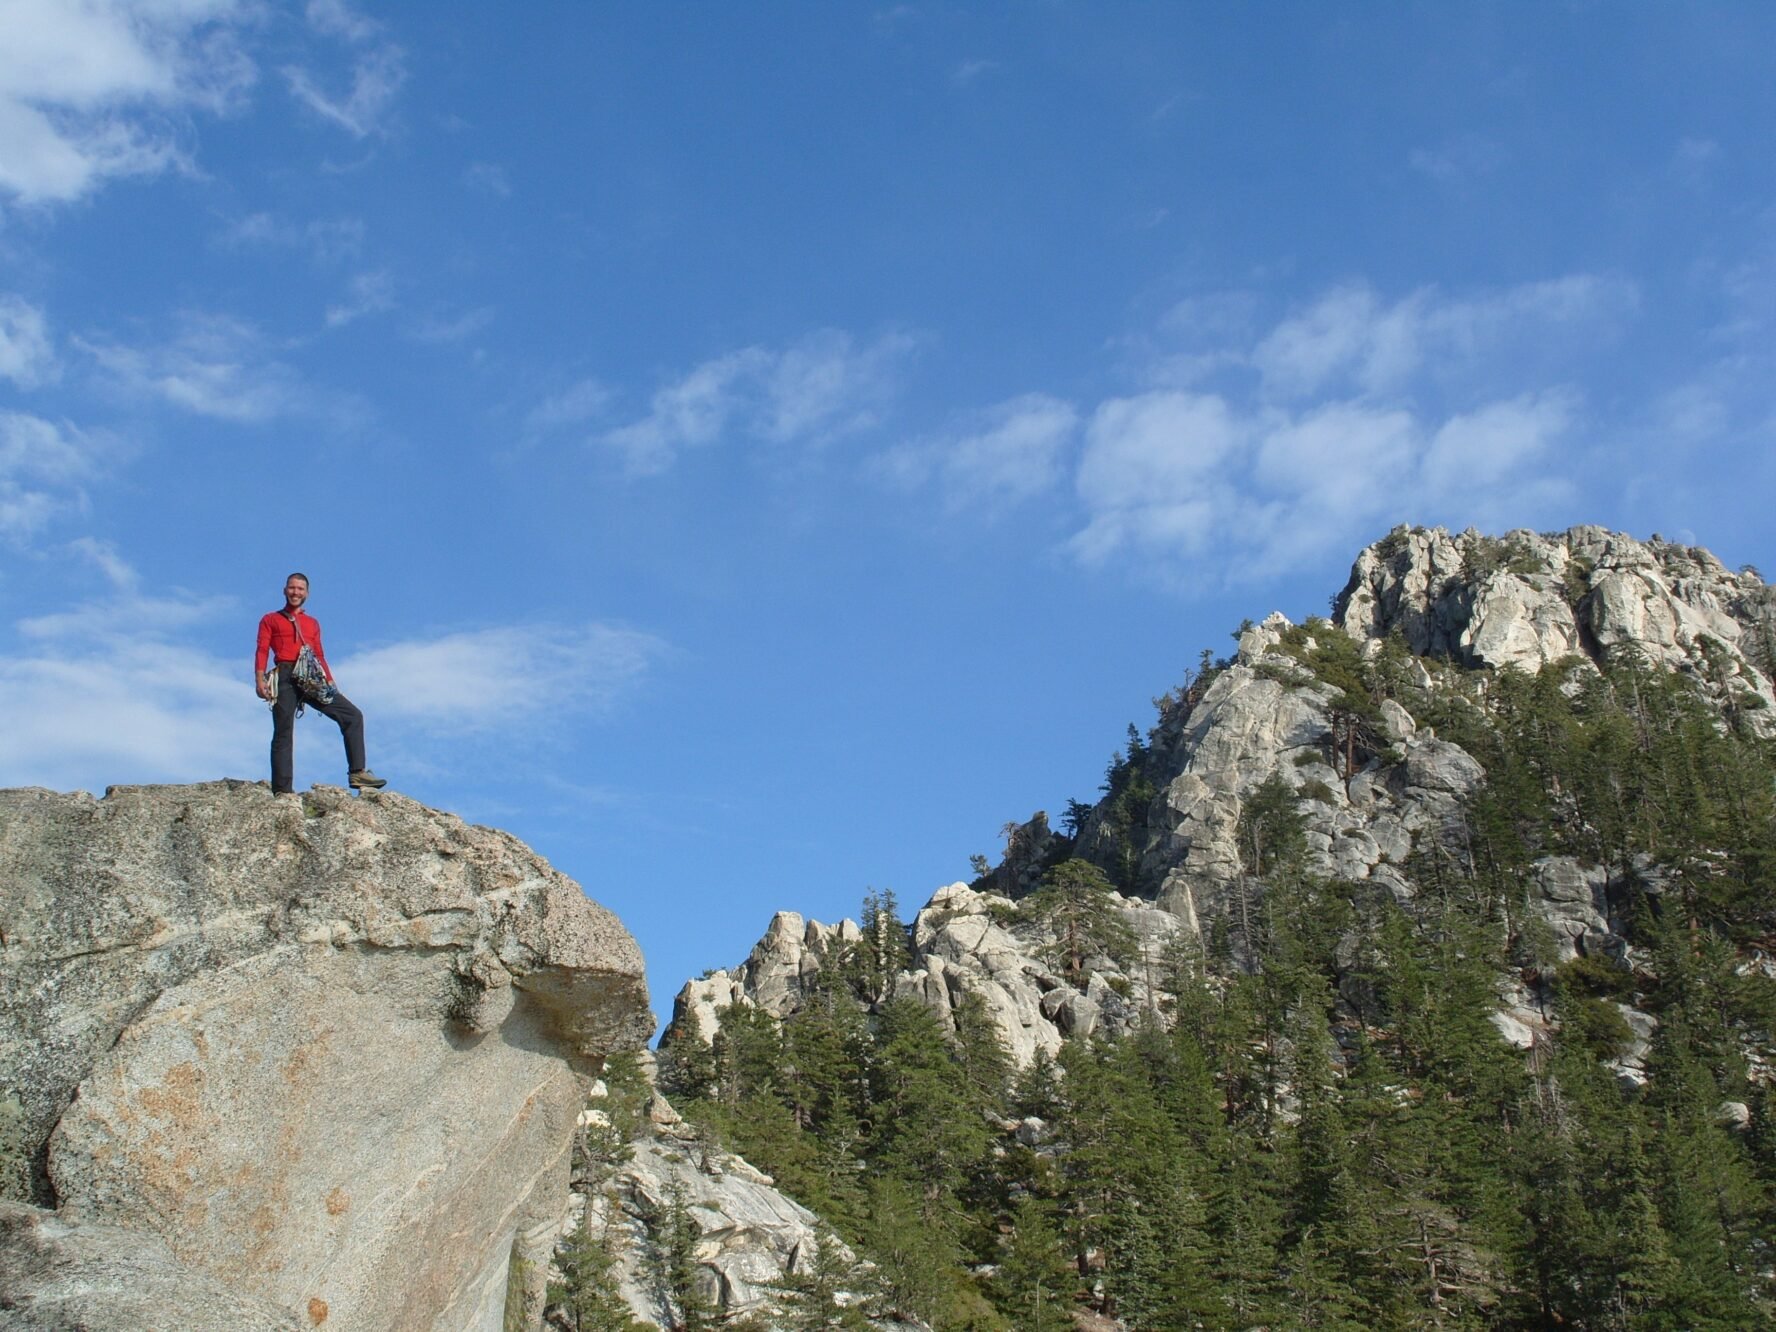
<point>290,1061</point>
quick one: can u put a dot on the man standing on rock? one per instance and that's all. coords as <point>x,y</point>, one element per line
<point>285,633</point>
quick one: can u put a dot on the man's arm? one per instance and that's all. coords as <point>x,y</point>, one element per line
<point>259,657</point>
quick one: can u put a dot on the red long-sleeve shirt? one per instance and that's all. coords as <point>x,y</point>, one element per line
<point>276,634</point>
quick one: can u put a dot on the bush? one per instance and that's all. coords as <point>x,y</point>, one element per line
<point>1594,977</point>
<point>1599,1026</point>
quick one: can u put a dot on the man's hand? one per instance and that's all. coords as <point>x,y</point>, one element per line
<point>259,686</point>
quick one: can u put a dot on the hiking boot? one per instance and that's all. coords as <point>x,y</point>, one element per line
<point>365,781</point>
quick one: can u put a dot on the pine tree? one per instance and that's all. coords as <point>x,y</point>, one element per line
<point>929,1130</point>
<point>1035,1285</point>
<point>882,952</point>
<point>829,1291</point>
<point>1075,902</point>
<point>678,1274</point>
<point>586,1298</point>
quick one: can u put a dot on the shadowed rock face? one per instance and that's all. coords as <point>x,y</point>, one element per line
<point>328,1051</point>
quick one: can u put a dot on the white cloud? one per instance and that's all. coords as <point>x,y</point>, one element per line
<point>503,677</point>
<point>1150,473</point>
<point>156,712</point>
<point>81,80</point>
<point>488,178</point>
<point>1173,478</point>
<point>328,240</point>
<point>1346,330</point>
<point>1484,449</point>
<point>43,466</point>
<point>691,412</point>
<point>827,385</point>
<point>454,328</point>
<point>1332,456</point>
<point>370,293</point>
<point>338,19</point>
<point>103,555</point>
<point>116,624</point>
<point>579,404</point>
<point>1350,339</point>
<point>1162,443</point>
<point>968,71</point>
<point>1003,455</point>
<point>824,386</point>
<point>1259,445</point>
<point>41,450</point>
<point>216,366</point>
<point>106,693</point>
<point>27,357</point>
<point>378,72</point>
<point>1463,160</point>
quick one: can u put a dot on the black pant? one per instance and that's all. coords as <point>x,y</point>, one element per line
<point>283,730</point>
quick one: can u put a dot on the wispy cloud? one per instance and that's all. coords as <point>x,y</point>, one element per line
<point>575,407</point>
<point>1694,159</point>
<point>968,71</point>
<point>1352,340</point>
<point>488,178</point>
<point>991,459</point>
<point>81,85</point>
<point>328,240</point>
<point>338,19</point>
<point>379,69</point>
<point>820,388</point>
<point>442,327</point>
<point>370,293</point>
<point>506,677</point>
<point>1464,160</point>
<point>215,366</point>
<point>27,356</point>
<point>82,720</point>
<point>1180,479</point>
<point>79,715</point>
<point>44,468</point>
<point>1343,416</point>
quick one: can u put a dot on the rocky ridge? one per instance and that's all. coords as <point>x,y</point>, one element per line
<point>964,942</point>
<point>267,1051</point>
<point>1461,606</point>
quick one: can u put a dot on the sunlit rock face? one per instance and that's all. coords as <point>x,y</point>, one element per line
<point>327,1052</point>
<point>962,945</point>
<point>1526,599</point>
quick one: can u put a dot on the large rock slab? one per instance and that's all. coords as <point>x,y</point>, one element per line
<point>62,1276</point>
<point>329,1051</point>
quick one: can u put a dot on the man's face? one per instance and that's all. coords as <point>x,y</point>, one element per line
<point>295,593</point>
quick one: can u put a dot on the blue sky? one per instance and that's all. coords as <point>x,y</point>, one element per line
<point>752,452</point>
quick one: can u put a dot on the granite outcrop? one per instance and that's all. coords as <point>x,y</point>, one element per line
<point>1455,609</point>
<point>296,1046</point>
